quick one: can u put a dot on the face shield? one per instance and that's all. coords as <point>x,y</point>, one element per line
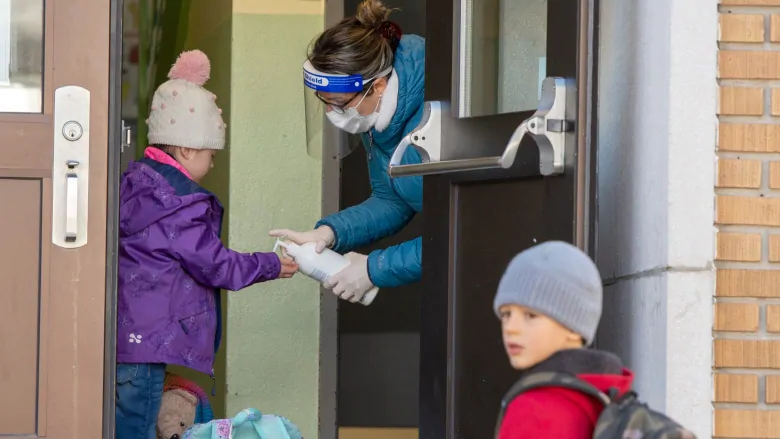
<point>319,89</point>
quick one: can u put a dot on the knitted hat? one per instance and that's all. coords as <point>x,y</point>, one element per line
<point>183,112</point>
<point>558,280</point>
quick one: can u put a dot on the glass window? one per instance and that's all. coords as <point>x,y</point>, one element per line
<point>502,56</point>
<point>21,56</point>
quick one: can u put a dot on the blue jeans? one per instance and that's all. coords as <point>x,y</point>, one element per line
<point>139,389</point>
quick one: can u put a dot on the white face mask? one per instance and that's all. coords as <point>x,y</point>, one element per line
<point>353,122</point>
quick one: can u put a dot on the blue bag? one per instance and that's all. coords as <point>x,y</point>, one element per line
<point>249,424</point>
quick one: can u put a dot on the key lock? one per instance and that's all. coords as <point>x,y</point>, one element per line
<point>551,128</point>
<point>70,169</point>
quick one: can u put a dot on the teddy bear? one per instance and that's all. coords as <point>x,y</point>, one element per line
<point>183,404</point>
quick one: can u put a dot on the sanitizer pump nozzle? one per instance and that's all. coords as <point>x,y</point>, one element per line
<point>320,266</point>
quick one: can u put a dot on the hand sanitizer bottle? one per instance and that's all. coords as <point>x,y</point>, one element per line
<point>320,266</point>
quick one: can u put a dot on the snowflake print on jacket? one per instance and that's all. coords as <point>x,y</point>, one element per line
<point>172,265</point>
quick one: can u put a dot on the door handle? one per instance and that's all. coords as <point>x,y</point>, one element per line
<point>548,127</point>
<point>72,203</point>
<point>127,137</point>
<point>70,168</point>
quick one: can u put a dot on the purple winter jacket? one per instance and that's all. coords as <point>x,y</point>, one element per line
<point>172,265</point>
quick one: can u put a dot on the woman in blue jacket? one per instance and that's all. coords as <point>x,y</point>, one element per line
<point>371,80</point>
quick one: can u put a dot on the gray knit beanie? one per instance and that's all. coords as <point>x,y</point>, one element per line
<point>558,280</point>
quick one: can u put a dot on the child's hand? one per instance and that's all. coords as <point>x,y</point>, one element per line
<point>289,268</point>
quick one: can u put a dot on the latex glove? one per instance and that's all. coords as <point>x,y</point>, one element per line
<point>351,283</point>
<point>323,236</point>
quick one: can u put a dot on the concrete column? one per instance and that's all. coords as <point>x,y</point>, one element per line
<point>657,119</point>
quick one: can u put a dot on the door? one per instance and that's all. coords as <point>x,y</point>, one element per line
<point>485,65</point>
<point>378,345</point>
<point>54,156</point>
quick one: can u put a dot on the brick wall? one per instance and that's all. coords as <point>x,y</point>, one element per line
<point>747,309</point>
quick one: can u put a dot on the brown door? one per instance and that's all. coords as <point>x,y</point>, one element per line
<point>486,59</point>
<point>53,221</point>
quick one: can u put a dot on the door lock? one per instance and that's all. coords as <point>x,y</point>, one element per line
<point>70,168</point>
<point>551,128</point>
<point>72,130</point>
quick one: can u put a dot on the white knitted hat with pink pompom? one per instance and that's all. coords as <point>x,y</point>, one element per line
<point>184,113</point>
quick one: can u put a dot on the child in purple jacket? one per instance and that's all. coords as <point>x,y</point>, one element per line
<point>172,263</point>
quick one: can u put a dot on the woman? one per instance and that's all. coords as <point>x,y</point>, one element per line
<point>387,105</point>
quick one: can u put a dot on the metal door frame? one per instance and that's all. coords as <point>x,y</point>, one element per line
<point>587,111</point>
<point>329,317</point>
<point>112,215</point>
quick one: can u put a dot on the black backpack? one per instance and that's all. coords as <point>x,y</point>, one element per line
<point>622,418</point>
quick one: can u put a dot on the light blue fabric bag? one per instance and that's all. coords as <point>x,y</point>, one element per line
<point>249,424</point>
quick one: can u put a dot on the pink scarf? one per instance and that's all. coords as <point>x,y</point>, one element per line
<point>160,156</point>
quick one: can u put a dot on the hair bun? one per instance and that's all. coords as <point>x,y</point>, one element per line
<point>372,13</point>
<point>391,32</point>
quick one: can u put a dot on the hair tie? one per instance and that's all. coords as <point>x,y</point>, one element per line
<point>391,32</point>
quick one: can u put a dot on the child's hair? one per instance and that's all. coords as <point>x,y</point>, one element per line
<point>168,149</point>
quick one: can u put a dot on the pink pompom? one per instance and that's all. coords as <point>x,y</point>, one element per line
<point>192,66</point>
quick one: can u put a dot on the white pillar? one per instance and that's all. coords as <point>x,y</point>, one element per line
<point>657,128</point>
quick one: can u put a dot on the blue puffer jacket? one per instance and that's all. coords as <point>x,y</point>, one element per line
<point>393,202</point>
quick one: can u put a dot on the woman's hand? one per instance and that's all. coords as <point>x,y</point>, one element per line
<point>353,282</point>
<point>323,236</point>
<point>289,268</point>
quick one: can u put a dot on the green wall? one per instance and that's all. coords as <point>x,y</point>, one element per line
<point>208,28</point>
<point>215,44</point>
<point>269,358</point>
<point>273,349</point>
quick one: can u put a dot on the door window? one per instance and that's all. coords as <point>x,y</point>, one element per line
<point>21,56</point>
<point>502,56</point>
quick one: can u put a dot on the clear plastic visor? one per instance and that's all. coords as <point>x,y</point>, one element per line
<point>323,93</point>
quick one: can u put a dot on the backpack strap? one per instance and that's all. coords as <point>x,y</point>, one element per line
<point>548,379</point>
<point>267,426</point>
<point>246,415</point>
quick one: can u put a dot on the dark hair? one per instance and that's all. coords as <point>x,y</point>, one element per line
<point>364,44</point>
<point>168,149</point>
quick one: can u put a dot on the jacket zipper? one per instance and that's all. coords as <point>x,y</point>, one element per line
<point>213,383</point>
<point>370,144</point>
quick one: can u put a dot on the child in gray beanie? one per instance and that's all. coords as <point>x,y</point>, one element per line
<point>549,301</point>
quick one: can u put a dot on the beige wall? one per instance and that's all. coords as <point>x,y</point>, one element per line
<point>276,7</point>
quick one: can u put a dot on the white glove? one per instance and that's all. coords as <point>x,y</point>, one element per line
<point>323,236</point>
<point>351,283</point>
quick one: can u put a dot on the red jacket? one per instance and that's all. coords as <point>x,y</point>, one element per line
<point>558,413</point>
